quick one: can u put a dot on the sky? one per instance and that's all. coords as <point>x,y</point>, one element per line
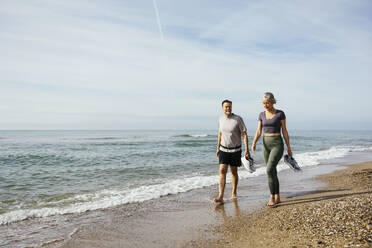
<point>168,64</point>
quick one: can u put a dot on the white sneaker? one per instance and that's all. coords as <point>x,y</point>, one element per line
<point>248,163</point>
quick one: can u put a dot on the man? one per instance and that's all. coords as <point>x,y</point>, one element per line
<point>229,147</point>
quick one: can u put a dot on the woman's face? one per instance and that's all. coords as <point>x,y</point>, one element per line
<point>267,104</point>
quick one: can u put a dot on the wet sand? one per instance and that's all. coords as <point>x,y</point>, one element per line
<point>182,220</point>
<point>338,215</point>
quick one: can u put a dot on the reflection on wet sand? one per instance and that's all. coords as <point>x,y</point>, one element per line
<point>220,208</point>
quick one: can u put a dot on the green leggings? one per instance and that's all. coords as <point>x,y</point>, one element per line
<point>272,150</point>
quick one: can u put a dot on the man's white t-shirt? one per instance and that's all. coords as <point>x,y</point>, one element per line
<point>231,132</point>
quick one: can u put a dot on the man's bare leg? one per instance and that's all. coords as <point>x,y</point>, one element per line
<point>235,179</point>
<point>223,171</point>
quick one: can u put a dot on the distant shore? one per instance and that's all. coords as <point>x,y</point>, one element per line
<point>338,215</point>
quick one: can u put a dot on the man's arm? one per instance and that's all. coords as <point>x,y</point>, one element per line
<point>245,138</point>
<point>218,143</point>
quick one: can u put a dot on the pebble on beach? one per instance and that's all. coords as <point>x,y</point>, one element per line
<point>339,215</point>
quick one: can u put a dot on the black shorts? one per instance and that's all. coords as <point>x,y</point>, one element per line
<point>230,158</point>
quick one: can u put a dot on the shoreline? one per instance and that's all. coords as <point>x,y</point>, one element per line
<point>189,219</point>
<point>176,220</point>
<point>337,215</point>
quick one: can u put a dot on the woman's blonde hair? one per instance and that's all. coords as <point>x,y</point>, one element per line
<point>270,97</point>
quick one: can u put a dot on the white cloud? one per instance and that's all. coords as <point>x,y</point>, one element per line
<point>105,64</point>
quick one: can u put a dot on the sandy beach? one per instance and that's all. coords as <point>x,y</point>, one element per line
<point>324,206</point>
<point>338,215</point>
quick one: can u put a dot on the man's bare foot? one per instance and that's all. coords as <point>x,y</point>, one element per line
<point>277,201</point>
<point>233,197</point>
<point>218,200</point>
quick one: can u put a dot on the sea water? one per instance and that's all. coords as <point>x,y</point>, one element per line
<point>49,173</point>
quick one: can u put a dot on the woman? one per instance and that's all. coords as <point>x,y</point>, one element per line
<point>272,120</point>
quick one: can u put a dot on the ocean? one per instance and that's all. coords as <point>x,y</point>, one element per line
<point>54,173</point>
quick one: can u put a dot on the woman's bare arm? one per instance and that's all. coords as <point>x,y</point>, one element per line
<point>286,137</point>
<point>257,136</point>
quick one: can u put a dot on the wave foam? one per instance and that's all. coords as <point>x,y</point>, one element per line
<point>193,136</point>
<point>315,158</point>
<point>110,198</point>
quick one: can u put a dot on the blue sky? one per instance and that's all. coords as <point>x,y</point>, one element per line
<point>109,65</point>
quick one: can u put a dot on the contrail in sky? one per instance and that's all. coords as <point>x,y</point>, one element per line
<point>158,19</point>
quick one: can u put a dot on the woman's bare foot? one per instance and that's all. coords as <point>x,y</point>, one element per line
<point>218,200</point>
<point>277,199</point>
<point>233,197</point>
<point>271,202</point>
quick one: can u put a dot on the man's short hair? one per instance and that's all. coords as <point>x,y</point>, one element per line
<point>228,101</point>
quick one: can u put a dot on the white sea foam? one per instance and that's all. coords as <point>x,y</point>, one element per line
<point>315,158</point>
<point>199,135</point>
<point>110,198</point>
<point>195,135</point>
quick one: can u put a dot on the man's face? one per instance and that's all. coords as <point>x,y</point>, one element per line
<point>227,108</point>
